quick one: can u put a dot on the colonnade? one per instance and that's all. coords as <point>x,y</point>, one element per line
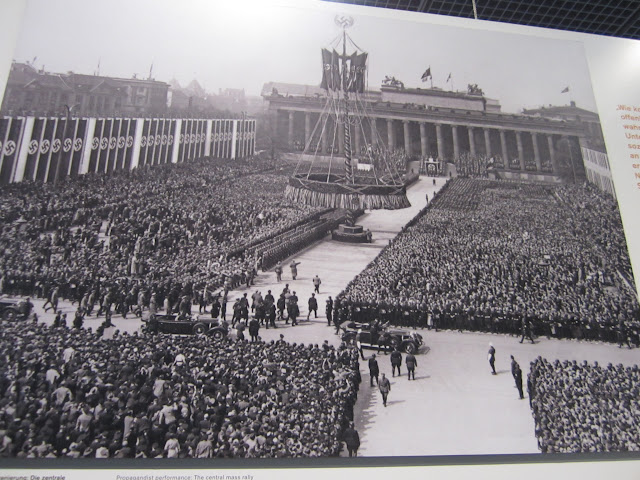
<point>517,149</point>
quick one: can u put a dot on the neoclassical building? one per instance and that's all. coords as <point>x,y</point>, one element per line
<point>439,125</point>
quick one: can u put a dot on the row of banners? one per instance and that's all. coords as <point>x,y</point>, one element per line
<point>38,148</point>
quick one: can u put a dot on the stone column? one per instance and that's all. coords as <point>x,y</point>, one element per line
<point>374,132</point>
<point>440,141</point>
<point>357,140</point>
<point>307,128</point>
<point>340,127</point>
<point>424,145</point>
<point>536,151</point>
<point>407,137</point>
<point>520,151</point>
<point>505,152</point>
<point>456,146</point>
<point>472,142</point>
<point>552,154</point>
<point>391,138</point>
<point>487,141</point>
<point>290,135</point>
<point>324,140</point>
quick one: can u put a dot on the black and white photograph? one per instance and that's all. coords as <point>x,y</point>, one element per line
<point>234,230</point>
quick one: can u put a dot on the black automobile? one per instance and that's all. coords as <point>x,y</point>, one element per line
<point>184,325</point>
<point>394,338</point>
<point>12,311</point>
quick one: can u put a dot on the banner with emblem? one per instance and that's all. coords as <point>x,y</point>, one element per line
<point>113,148</point>
<point>10,135</point>
<point>147,142</point>
<point>45,154</point>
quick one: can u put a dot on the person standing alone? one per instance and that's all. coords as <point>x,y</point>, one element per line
<point>385,388</point>
<point>492,358</point>
<point>294,269</point>
<point>316,283</point>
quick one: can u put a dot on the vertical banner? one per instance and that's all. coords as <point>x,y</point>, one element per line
<point>10,135</point>
<point>23,153</point>
<point>73,146</point>
<point>175,141</point>
<point>31,147</point>
<point>46,149</point>
<point>137,140</point>
<point>234,135</point>
<point>87,146</point>
<point>207,141</point>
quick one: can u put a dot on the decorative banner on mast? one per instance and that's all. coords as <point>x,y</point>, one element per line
<point>330,70</point>
<point>357,67</point>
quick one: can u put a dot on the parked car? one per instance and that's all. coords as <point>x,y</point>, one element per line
<point>11,310</point>
<point>189,325</point>
<point>404,340</point>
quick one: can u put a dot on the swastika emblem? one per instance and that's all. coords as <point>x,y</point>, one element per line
<point>33,147</point>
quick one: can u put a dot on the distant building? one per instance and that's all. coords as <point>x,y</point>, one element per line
<point>30,90</point>
<point>589,120</point>
<point>434,124</point>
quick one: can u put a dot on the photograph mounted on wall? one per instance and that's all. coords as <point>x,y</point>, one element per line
<point>278,232</point>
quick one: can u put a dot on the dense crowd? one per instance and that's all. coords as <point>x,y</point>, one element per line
<point>169,230</point>
<point>69,393</point>
<point>584,407</point>
<point>487,255</point>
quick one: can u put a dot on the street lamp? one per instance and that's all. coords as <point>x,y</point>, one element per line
<point>65,134</point>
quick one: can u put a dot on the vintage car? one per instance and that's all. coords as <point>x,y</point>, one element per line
<point>11,310</point>
<point>404,340</point>
<point>189,325</point>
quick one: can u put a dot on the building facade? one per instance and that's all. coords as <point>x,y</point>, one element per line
<point>432,123</point>
<point>32,91</point>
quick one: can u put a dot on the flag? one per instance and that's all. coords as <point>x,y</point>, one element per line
<point>356,67</point>
<point>449,77</point>
<point>566,89</point>
<point>330,70</point>
<point>426,75</point>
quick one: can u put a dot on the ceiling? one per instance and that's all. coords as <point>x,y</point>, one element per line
<point>616,18</point>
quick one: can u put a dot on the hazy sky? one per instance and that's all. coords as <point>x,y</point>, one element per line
<point>240,44</point>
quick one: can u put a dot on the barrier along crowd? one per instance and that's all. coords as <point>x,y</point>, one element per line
<point>505,257</point>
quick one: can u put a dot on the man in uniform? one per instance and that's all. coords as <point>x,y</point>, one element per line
<point>518,378</point>
<point>412,363</point>
<point>492,358</point>
<point>352,440</point>
<point>329,310</point>
<point>294,269</point>
<point>396,362</point>
<point>374,370</point>
<point>385,388</point>
<point>278,271</point>
<point>313,306</point>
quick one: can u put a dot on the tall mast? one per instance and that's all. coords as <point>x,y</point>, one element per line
<point>348,167</point>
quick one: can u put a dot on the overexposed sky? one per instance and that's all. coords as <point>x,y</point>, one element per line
<point>243,44</point>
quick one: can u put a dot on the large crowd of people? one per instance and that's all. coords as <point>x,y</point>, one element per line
<point>70,393</point>
<point>582,407</point>
<point>490,255</point>
<point>168,230</point>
